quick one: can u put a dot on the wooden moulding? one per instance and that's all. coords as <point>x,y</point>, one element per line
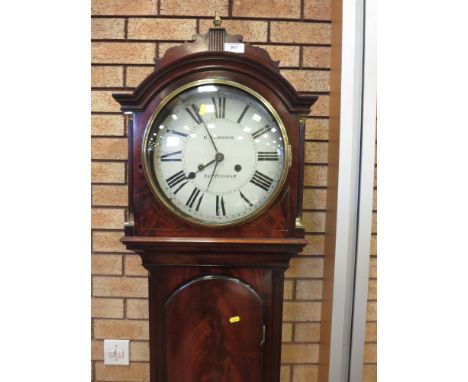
<point>215,251</point>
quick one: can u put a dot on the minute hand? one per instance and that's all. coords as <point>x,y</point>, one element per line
<point>206,128</point>
<point>212,176</point>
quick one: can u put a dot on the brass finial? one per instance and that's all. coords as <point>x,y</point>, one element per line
<point>217,20</point>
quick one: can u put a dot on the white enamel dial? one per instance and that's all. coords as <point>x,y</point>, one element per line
<point>215,154</point>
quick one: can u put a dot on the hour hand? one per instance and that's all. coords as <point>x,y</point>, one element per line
<point>218,158</point>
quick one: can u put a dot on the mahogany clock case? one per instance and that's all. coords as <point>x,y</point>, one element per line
<point>253,69</point>
<point>215,294</point>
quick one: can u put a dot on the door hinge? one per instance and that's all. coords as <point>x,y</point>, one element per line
<point>262,342</point>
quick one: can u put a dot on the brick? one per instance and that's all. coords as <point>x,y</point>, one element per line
<point>306,332</point>
<point>301,311</point>
<point>97,350</point>
<point>123,52</point>
<point>369,373</point>
<point>305,267</point>
<point>371,332</point>
<point>286,332</point>
<point>121,329</point>
<point>107,125</point>
<point>108,242</point>
<point>316,152</point>
<point>107,307</point>
<point>317,129</point>
<point>316,57</point>
<point>285,374</point>
<point>107,195</point>
<point>373,247</point>
<point>107,172</point>
<point>252,31</point>
<point>135,372</point>
<point>107,218</point>
<point>124,7</point>
<point>194,7</point>
<point>371,311</point>
<point>136,74</point>
<point>315,175</point>
<point>315,199</point>
<point>370,353</point>
<point>287,55</point>
<point>305,373</point>
<point>316,245</point>
<point>373,268</point>
<point>133,266</point>
<point>300,33</point>
<point>102,101</point>
<point>314,221</point>
<point>161,29</point>
<point>108,28</point>
<point>299,353</point>
<point>137,309</point>
<point>321,107</point>
<point>106,76</point>
<point>308,289</point>
<point>372,290</point>
<point>267,8</point>
<point>139,351</point>
<point>120,286</point>
<point>317,9</point>
<point>288,292</point>
<point>308,80</point>
<point>106,264</point>
<point>109,148</point>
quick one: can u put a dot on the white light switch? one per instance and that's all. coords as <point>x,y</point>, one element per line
<point>116,352</point>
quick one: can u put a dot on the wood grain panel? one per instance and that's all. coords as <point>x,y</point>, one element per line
<point>203,333</point>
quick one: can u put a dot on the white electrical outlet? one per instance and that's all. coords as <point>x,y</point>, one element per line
<point>116,352</point>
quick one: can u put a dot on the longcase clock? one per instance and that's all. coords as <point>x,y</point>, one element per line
<point>216,146</point>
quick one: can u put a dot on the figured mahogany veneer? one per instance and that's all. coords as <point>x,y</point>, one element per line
<point>219,321</point>
<point>215,295</point>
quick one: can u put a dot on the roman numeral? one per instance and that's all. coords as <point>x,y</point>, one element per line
<point>261,131</point>
<point>268,155</point>
<point>220,206</point>
<point>177,133</point>
<point>193,198</point>
<point>180,187</point>
<point>171,157</point>
<point>175,179</point>
<point>245,198</point>
<point>220,108</point>
<point>261,180</point>
<point>243,113</point>
<point>194,114</point>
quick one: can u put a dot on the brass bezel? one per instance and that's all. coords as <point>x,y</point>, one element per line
<point>154,186</point>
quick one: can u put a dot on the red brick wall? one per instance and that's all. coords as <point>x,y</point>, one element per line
<point>127,36</point>
<point>370,348</point>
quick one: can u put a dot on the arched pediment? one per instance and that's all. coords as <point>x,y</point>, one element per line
<point>206,54</point>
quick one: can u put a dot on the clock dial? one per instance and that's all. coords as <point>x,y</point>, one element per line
<point>215,154</point>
